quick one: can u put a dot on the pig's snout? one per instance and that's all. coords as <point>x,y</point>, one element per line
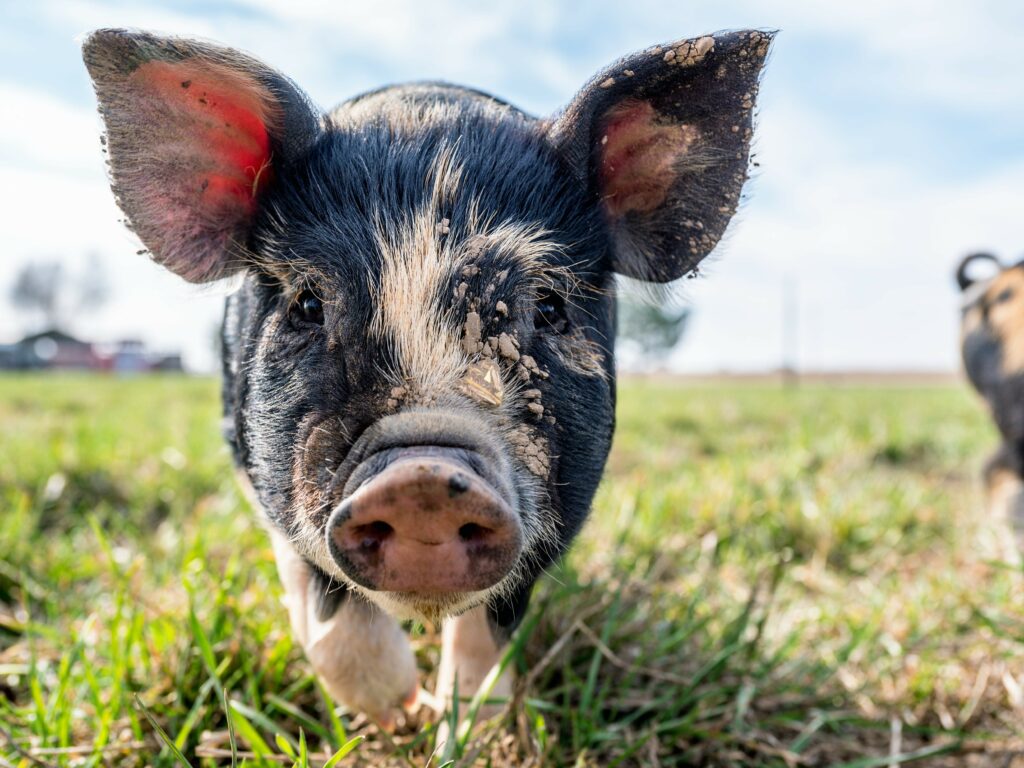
<point>426,524</point>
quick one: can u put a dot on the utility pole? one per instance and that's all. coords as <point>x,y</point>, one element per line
<point>791,331</point>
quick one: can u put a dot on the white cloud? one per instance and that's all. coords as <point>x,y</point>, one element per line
<point>335,50</point>
<point>44,132</point>
<point>960,53</point>
<point>869,247</point>
<point>84,16</point>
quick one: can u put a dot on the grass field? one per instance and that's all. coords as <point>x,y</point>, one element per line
<point>770,578</point>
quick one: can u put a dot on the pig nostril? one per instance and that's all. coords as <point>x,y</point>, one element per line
<point>372,535</point>
<point>473,532</point>
<point>457,484</point>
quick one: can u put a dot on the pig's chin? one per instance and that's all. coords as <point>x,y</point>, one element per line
<point>435,608</point>
<point>409,606</point>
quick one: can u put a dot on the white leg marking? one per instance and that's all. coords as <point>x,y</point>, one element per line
<point>468,652</point>
<point>1006,505</point>
<point>361,654</point>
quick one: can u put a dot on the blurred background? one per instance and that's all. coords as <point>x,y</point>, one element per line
<point>888,146</point>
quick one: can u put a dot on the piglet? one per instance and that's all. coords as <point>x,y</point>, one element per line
<point>419,384</point>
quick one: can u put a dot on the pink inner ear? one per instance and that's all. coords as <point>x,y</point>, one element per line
<point>638,157</point>
<point>215,131</point>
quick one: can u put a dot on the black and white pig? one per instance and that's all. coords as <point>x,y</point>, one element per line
<point>992,347</point>
<point>419,385</point>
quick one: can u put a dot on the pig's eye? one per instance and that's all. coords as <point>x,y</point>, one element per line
<point>551,313</point>
<point>1005,295</point>
<point>307,309</point>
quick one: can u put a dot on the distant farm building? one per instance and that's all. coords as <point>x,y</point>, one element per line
<point>58,351</point>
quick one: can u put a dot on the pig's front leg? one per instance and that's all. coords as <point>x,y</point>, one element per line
<point>471,644</point>
<point>469,650</point>
<point>1005,492</point>
<point>361,654</point>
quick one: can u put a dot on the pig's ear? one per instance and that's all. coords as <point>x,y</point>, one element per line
<point>964,279</point>
<point>662,139</point>
<point>195,134</point>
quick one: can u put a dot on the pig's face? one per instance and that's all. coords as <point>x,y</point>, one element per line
<point>459,338</point>
<point>994,308</point>
<point>418,365</point>
<point>992,337</point>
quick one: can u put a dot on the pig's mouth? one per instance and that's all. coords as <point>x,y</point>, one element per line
<point>429,517</point>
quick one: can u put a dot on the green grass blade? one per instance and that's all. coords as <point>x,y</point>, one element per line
<point>284,746</point>
<point>162,734</point>
<point>246,730</point>
<point>343,751</point>
<point>232,741</point>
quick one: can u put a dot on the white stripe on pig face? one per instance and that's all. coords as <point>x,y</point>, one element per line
<point>416,309</point>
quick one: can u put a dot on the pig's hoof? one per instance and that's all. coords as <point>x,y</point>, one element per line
<point>380,699</point>
<point>412,702</point>
<point>386,719</point>
<point>376,689</point>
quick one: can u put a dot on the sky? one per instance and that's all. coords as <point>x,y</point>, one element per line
<point>889,142</point>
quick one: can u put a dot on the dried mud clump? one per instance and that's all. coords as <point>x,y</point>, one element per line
<point>507,348</point>
<point>532,449</point>
<point>397,395</point>
<point>689,52</point>
<point>471,341</point>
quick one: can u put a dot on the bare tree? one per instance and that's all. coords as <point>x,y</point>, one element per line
<point>49,290</point>
<point>93,288</point>
<point>37,289</point>
<point>655,328</point>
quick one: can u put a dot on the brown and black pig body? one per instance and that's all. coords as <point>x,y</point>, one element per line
<point>992,346</point>
<point>419,385</point>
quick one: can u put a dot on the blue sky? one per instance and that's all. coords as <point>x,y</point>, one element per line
<point>890,141</point>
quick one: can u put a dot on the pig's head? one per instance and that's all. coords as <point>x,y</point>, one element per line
<point>418,362</point>
<point>992,335</point>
